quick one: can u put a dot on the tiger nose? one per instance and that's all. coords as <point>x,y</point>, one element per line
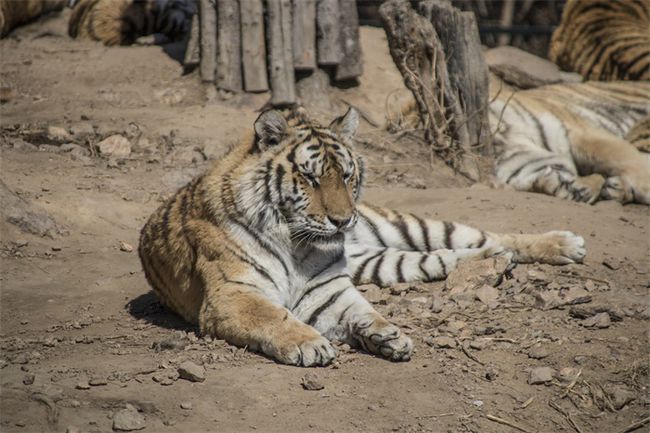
<point>340,222</point>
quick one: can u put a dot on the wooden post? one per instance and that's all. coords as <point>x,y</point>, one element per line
<point>466,67</point>
<point>351,65</point>
<point>208,20</point>
<point>304,34</point>
<point>192,51</point>
<point>280,52</point>
<point>328,21</point>
<point>229,76</point>
<point>253,46</point>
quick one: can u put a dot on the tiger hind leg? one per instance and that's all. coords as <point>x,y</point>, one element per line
<point>626,169</point>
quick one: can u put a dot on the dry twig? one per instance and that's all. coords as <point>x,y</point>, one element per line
<point>566,415</point>
<point>506,422</point>
<point>636,425</point>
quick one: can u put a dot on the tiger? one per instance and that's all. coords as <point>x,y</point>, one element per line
<point>121,22</point>
<point>14,13</point>
<point>573,140</point>
<point>604,40</point>
<point>266,248</point>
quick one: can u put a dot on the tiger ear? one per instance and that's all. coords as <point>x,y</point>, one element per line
<point>270,128</point>
<point>346,125</point>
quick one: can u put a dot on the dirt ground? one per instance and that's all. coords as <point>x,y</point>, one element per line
<point>82,336</point>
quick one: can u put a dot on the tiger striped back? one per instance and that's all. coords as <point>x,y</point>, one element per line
<point>604,40</point>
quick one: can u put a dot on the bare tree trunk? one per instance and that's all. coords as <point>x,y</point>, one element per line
<point>253,46</point>
<point>304,34</point>
<point>229,76</point>
<point>280,52</point>
<point>328,19</point>
<point>419,55</point>
<point>208,20</point>
<point>351,65</point>
<point>468,73</point>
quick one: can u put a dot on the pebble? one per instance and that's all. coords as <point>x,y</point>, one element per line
<point>311,382</point>
<point>443,342</point>
<point>491,374</point>
<point>375,295</point>
<point>127,248</point>
<point>83,385</point>
<point>72,429</point>
<point>115,145</point>
<point>29,379</point>
<point>166,378</point>
<point>487,295</point>
<point>128,419</point>
<point>437,303</point>
<point>540,375</point>
<point>538,352</point>
<point>478,403</point>
<point>479,343</point>
<point>97,381</point>
<point>600,321</point>
<point>192,372</point>
<point>186,405</point>
<point>21,358</point>
<point>58,134</point>
<point>169,344</point>
<point>567,374</point>
<point>620,396</point>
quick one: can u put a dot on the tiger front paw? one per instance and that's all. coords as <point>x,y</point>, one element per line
<point>587,189</point>
<point>376,335</point>
<point>562,248</point>
<point>304,351</point>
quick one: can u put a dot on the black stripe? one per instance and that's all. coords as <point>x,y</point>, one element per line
<point>263,243</point>
<point>240,283</point>
<point>423,259</point>
<point>540,128</point>
<point>404,232</point>
<point>398,269</point>
<point>354,256</point>
<point>425,232</point>
<point>449,230</point>
<point>482,241</point>
<point>342,315</point>
<point>525,164</point>
<point>362,267</point>
<point>314,316</point>
<point>373,229</point>
<point>316,286</point>
<point>442,266</point>
<point>246,259</point>
<point>376,279</point>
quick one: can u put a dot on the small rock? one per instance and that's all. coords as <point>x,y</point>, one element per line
<point>567,374</point>
<point>612,264</point>
<point>192,372</point>
<point>399,288</point>
<point>487,295</point>
<point>538,352</point>
<point>479,343</point>
<point>472,274</point>
<point>23,146</point>
<point>170,344</point>
<point>311,382</point>
<point>82,130</point>
<point>128,419</point>
<point>166,378</point>
<point>478,403</point>
<point>58,134</point>
<point>540,375</point>
<point>97,381</point>
<point>83,385</point>
<point>29,379</point>
<point>186,405</point>
<point>443,342</point>
<point>600,321</point>
<point>375,295</point>
<point>491,374</point>
<point>72,429</point>
<point>437,303</point>
<point>620,396</point>
<point>115,146</point>
<point>127,248</point>
<point>21,358</point>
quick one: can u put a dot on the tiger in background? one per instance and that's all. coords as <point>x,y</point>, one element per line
<point>604,40</point>
<point>14,13</point>
<point>572,140</point>
<point>121,22</point>
<point>265,249</point>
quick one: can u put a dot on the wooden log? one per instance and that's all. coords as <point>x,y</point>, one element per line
<point>192,56</point>
<point>208,27</point>
<point>351,64</point>
<point>253,46</point>
<point>468,72</point>
<point>229,69</point>
<point>280,52</point>
<point>304,34</point>
<point>328,37</point>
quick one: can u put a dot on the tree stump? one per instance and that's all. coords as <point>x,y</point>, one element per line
<point>192,56</point>
<point>304,34</point>
<point>328,20</point>
<point>351,64</point>
<point>445,105</point>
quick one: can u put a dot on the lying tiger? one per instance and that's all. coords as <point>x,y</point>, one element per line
<point>265,249</point>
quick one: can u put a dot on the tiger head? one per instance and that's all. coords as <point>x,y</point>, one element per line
<point>314,175</point>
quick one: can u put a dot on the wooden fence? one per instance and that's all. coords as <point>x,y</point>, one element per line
<point>258,45</point>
